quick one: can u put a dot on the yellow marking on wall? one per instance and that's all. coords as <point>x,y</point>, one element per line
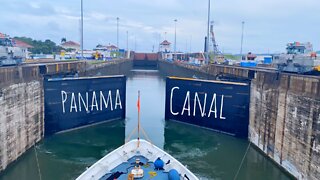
<point>213,81</point>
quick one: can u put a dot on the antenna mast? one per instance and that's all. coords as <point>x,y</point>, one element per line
<point>138,106</point>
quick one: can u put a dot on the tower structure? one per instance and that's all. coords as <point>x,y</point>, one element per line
<point>216,51</point>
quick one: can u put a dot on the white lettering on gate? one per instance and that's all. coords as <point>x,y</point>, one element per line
<point>198,102</point>
<point>118,100</point>
<point>97,102</point>
<point>215,106</point>
<point>94,102</point>
<point>171,96</point>
<point>109,99</point>
<point>84,103</point>
<point>202,109</point>
<point>73,104</point>
<point>63,99</point>
<point>184,105</point>
<point>221,108</point>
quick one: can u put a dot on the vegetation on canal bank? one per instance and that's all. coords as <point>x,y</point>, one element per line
<point>41,47</point>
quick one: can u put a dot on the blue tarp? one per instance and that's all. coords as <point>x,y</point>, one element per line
<point>248,63</point>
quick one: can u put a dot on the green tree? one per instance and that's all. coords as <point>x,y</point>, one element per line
<point>63,40</point>
<point>44,47</point>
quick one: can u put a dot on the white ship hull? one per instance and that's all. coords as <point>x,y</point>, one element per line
<point>114,160</point>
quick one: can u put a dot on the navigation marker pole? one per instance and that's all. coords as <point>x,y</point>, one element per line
<point>175,39</point>
<point>138,106</point>
<point>118,36</point>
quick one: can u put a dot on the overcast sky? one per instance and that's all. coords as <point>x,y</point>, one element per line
<point>269,24</point>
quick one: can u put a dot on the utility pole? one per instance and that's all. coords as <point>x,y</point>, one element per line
<point>159,39</point>
<point>190,50</point>
<point>81,29</point>
<point>186,51</point>
<point>127,44</point>
<point>241,38</point>
<point>118,33</point>
<point>175,39</point>
<point>135,43</point>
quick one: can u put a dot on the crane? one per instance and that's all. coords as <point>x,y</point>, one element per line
<point>217,55</point>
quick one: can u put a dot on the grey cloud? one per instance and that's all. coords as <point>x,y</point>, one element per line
<point>269,23</point>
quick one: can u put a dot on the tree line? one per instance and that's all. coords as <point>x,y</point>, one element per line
<point>44,47</point>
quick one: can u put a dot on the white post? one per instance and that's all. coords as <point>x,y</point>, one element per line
<point>241,38</point>
<point>118,35</point>
<point>128,45</point>
<point>175,39</point>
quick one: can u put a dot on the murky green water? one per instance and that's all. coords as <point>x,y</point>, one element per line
<point>208,154</point>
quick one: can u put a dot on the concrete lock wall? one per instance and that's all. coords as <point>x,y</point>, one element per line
<point>180,70</point>
<point>21,107</point>
<point>22,101</point>
<point>285,121</point>
<point>118,67</point>
<point>21,114</point>
<point>21,120</point>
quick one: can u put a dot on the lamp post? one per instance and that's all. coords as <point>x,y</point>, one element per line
<point>135,43</point>
<point>118,33</point>
<point>190,44</point>
<point>127,44</point>
<point>241,38</point>
<point>175,39</point>
<point>159,41</point>
<point>81,29</point>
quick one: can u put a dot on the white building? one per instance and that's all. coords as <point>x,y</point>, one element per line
<point>22,47</point>
<point>165,46</point>
<point>71,45</point>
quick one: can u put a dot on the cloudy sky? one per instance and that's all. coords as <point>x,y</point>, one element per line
<point>269,24</point>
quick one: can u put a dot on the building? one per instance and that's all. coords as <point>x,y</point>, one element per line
<point>110,51</point>
<point>71,45</point>
<point>165,46</point>
<point>299,48</point>
<point>3,36</point>
<point>110,48</point>
<point>23,46</point>
<point>13,48</point>
<point>251,56</point>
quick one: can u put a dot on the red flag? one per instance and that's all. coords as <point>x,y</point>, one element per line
<point>138,103</point>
